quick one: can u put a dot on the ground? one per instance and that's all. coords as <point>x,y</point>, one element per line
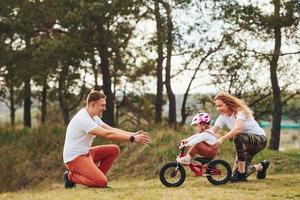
<point>281,186</point>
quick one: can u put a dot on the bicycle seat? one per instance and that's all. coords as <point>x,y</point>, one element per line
<point>203,159</point>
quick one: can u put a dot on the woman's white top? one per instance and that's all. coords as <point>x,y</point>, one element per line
<point>250,126</point>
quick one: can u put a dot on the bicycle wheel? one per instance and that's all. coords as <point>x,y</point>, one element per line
<point>172,174</point>
<point>220,172</point>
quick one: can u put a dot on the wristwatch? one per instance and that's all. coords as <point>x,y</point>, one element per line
<point>132,139</point>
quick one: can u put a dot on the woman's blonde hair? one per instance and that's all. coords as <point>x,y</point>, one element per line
<point>235,104</point>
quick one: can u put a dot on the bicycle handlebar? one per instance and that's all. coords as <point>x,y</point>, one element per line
<point>181,147</point>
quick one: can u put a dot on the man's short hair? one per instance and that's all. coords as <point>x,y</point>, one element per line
<point>95,96</point>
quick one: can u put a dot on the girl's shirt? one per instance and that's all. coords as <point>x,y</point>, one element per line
<point>206,136</point>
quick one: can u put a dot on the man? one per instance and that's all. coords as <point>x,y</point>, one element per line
<point>89,165</point>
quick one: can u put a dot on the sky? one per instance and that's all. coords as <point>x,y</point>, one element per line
<point>202,84</point>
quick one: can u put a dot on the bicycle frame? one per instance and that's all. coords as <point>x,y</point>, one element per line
<point>200,169</point>
<point>173,174</point>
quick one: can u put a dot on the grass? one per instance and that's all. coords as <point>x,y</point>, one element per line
<point>280,186</point>
<point>31,165</point>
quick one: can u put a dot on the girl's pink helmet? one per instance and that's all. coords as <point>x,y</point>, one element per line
<point>201,118</point>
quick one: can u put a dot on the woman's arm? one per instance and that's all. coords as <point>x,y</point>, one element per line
<point>214,128</point>
<point>232,133</point>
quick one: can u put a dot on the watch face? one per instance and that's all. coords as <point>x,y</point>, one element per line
<point>131,138</point>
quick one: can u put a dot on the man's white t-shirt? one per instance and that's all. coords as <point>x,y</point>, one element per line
<point>78,141</point>
<point>250,125</point>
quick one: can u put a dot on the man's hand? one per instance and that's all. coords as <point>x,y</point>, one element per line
<point>141,137</point>
<point>140,132</point>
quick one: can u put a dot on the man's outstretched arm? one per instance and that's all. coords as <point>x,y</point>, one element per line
<point>120,135</point>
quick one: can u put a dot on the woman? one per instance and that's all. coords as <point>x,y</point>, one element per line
<point>248,137</point>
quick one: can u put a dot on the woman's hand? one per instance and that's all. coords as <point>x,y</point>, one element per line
<point>221,140</point>
<point>219,143</point>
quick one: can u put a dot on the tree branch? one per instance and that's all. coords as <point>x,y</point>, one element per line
<point>82,92</point>
<point>290,53</point>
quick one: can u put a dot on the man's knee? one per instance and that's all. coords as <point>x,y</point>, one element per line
<point>101,182</point>
<point>115,150</point>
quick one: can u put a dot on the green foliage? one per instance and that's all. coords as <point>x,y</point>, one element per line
<point>292,109</point>
<point>136,111</point>
<point>29,156</point>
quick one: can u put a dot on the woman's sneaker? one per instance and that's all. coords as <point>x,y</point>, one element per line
<point>262,174</point>
<point>238,177</point>
<point>68,183</point>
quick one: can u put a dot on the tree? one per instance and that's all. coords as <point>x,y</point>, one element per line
<point>159,64</point>
<point>164,21</point>
<point>105,27</point>
<point>172,101</point>
<point>26,22</point>
<point>262,27</point>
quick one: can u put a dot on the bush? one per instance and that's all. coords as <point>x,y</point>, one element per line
<point>29,156</point>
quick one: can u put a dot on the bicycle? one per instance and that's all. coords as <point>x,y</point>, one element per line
<point>217,172</point>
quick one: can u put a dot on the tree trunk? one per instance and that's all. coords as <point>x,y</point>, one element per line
<point>276,116</point>
<point>108,115</point>
<point>171,96</point>
<point>183,108</point>
<point>186,94</point>
<point>12,105</point>
<point>44,101</point>
<point>61,89</point>
<point>27,103</point>
<point>95,71</point>
<point>159,67</point>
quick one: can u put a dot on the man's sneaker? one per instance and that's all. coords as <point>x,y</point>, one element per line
<point>186,160</point>
<point>262,174</point>
<point>68,183</point>
<point>238,177</point>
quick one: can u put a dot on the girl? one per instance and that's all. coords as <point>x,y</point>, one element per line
<point>202,142</point>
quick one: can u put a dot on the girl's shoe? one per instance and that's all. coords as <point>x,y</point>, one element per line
<point>186,160</point>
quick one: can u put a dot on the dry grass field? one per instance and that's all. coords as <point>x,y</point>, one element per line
<point>275,187</point>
